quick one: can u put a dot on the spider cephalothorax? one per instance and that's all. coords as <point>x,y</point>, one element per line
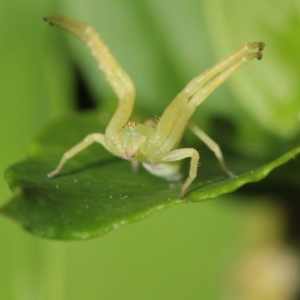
<point>154,146</point>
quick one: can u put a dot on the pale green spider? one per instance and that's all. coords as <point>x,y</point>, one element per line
<point>153,145</point>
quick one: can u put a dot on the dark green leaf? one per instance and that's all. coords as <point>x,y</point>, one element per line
<point>96,192</point>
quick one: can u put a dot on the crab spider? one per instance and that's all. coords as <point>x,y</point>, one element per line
<point>154,145</point>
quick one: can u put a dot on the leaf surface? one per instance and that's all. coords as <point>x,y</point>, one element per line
<point>96,192</point>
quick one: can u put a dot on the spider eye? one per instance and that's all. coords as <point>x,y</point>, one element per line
<point>131,125</point>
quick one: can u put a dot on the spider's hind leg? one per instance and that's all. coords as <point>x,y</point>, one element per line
<point>212,145</point>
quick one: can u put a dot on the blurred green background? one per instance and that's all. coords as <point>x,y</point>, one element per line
<point>204,251</point>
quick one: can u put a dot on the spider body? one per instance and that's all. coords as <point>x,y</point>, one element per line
<point>154,145</point>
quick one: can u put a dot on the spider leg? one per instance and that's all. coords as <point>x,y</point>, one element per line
<point>119,80</point>
<point>88,140</point>
<point>212,145</point>
<point>195,84</point>
<point>173,121</point>
<point>180,154</point>
<point>135,166</point>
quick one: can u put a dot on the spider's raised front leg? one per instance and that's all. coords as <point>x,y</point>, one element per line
<point>174,119</point>
<point>212,145</point>
<point>180,154</point>
<point>88,140</point>
<point>119,80</point>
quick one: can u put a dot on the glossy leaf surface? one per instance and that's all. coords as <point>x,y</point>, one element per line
<point>96,192</point>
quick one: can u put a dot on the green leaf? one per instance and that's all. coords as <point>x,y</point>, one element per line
<point>96,192</point>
